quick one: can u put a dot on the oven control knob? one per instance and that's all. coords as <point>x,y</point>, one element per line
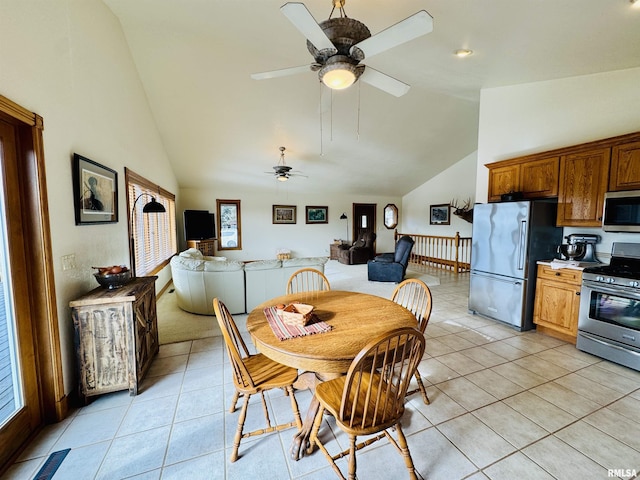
<point>634,283</point>
<point>610,280</point>
<point>599,278</point>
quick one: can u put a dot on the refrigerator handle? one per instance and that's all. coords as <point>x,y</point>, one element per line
<point>521,244</point>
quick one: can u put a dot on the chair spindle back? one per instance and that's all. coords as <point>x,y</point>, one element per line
<point>415,296</point>
<point>307,280</point>
<point>235,346</point>
<point>378,379</point>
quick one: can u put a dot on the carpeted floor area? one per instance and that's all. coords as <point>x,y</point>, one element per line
<point>175,325</point>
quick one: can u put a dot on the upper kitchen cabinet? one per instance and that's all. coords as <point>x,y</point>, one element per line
<point>540,178</point>
<point>503,179</point>
<point>584,179</point>
<point>535,178</point>
<point>625,167</point>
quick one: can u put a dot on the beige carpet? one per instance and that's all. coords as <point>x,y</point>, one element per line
<point>353,278</point>
<point>175,325</point>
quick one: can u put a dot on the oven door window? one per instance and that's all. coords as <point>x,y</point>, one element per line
<point>615,309</point>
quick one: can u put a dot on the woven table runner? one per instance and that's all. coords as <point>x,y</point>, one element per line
<point>284,331</point>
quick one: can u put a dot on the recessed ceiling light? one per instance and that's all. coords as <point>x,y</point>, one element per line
<point>463,52</point>
<point>635,3</point>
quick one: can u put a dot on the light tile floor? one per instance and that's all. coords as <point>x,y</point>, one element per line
<point>504,405</point>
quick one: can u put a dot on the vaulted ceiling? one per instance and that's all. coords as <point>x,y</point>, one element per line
<point>219,126</point>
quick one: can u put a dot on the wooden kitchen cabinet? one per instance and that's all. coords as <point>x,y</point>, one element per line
<point>584,179</point>
<point>503,179</point>
<point>557,302</point>
<point>116,337</point>
<point>625,167</point>
<point>535,179</point>
<point>539,178</point>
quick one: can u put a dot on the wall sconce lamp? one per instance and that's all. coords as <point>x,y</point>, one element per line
<point>150,207</point>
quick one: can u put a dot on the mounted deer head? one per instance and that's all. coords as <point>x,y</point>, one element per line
<point>465,211</point>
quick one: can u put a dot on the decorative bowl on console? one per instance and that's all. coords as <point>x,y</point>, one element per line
<point>113,280</point>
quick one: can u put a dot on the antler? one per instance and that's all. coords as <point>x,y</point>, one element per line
<point>465,212</point>
<point>465,207</point>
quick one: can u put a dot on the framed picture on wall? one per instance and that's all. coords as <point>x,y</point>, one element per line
<point>284,214</point>
<point>317,214</point>
<point>439,214</point>
<point>95,192</point>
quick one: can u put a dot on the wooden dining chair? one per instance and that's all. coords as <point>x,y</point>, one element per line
<point>307,280</point>
<point>253,374</point>
<point>415,296</point>
<point>370,398</point>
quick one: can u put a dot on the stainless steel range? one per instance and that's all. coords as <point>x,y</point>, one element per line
<point>609,319</point>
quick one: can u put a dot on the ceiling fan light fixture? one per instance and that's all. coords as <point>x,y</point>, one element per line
<point>282,178</point>
<point>339,75</point>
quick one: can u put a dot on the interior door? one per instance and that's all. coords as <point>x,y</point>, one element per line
<point>364,219</point>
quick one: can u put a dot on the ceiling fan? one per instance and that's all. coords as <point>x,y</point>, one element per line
<point>282,171</point>
<point>339,44</point>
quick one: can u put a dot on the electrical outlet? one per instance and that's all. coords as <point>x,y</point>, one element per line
<point>69,262</point>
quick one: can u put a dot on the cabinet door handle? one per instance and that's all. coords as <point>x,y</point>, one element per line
<point>557,274</point>
<point>578,293</point>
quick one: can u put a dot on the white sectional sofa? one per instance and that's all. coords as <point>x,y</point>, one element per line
<point>198,279</point>
<point>265,279</point>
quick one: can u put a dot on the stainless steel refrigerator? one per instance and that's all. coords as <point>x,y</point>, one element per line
<point>508,239</point>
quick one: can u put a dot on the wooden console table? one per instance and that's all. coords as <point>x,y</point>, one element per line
<point>334,251</point>
<point>116,336</point>
<point>207,247</point>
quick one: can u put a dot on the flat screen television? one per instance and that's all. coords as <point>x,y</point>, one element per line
<point>199,225</point>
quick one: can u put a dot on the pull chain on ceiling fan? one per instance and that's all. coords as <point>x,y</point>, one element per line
<point>339,44</point>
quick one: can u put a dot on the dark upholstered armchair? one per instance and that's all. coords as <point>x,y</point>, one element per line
<point>359,252</point>
<point>391,267</point>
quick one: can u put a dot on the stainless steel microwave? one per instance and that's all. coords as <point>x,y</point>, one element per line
<point>621,211</point>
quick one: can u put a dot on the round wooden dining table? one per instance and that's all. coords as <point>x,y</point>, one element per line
<point>355,318</point>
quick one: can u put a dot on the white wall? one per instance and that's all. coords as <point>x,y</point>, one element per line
<point>68,62</point>
<point>535,117</point>
<point>457,182</point>
<point>261,238</point>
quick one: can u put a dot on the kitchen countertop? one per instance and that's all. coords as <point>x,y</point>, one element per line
<point>557,264</point>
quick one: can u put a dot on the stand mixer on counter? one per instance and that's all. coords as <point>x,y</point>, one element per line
<point>580,247</point>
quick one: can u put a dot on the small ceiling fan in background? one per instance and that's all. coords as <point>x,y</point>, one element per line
<point>282,171</point>
<point>339,44</point>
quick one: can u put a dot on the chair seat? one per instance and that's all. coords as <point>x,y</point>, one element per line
<point>267,374</point>
<point>329,394</point>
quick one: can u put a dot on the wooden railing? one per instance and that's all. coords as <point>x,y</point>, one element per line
<point>452,253</point>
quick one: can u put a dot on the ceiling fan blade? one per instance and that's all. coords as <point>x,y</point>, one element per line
<point>281,73</point>
<point>299,15</point>
<point>412,27</point>
<point>384,82</point>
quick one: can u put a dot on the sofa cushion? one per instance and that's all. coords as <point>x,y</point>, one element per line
<point>226,266</point>
<point>214,259</point>
<point>262,264</point>
<point>303,262</point>
<point>187,263</point>
<point>191,253</point>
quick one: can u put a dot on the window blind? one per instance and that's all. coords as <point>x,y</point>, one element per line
<point>153,234</point>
